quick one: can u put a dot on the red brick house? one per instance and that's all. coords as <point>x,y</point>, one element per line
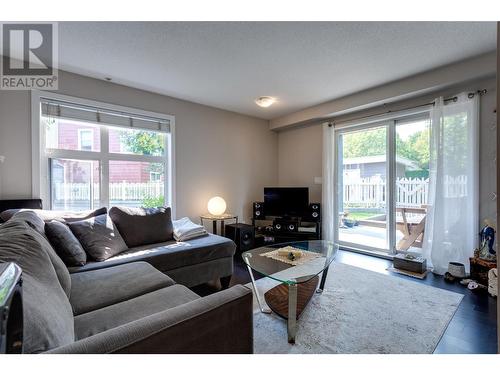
<point>72,135</point>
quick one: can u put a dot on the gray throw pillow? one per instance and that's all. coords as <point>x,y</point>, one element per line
<point>65,244</point>
<point>7,214</point>
<point>143,226</point>
<point>34,221</point>
<point>99,237</point>
<point>47,313</point>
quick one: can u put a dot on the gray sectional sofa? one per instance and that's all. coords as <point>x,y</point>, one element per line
<point>133,302</point>
<point>189,263</point>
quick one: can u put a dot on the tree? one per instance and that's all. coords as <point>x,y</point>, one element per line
<point>373,142</point>
<point>365,143</point>
<point>144,142</point>
<point>419,149</point>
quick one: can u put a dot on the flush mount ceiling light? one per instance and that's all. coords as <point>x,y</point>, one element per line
<point>265,101</point>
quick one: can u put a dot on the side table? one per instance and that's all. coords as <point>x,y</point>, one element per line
<point>479,269</point>
<point>216,218</point>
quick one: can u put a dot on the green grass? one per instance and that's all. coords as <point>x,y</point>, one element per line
<point>360,215</point>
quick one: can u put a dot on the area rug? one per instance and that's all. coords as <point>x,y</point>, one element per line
<point>360,311</point>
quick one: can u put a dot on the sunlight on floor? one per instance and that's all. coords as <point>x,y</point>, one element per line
<point>370,236</point>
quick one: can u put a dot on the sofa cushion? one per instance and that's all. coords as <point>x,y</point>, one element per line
<point>171,255</point>
<point>30,217</point>
<point>65,243</point>
<point>99,237</point>
<point>48,215</point>
<point>93,290</point>
<point>35,222</point>
<point>121,313</point>
<point>47,314</point>
<point>143,226</point>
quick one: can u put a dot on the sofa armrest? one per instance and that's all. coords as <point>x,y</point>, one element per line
<point>219,323</point>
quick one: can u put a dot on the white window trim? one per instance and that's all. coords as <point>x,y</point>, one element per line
<point>80,131</point>
<point>39,159</point>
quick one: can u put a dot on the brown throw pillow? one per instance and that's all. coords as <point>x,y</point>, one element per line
<point>99,237</point>
<point>143,226</point>
<point>65,244</point>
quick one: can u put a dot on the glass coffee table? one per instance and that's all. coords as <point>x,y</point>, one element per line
<point>296,265</point>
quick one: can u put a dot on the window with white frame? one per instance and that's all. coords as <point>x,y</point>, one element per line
<point>85,139</point>
<point>94,154</point>
<point>155,176</point>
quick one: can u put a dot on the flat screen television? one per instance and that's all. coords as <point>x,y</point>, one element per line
<point>286,201</point>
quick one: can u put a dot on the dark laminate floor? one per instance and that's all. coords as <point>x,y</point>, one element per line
<point>472,330</point>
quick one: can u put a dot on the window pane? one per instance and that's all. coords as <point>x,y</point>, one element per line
<point>71,135</point>
<point>411,183</point>
<point>86,139</point>
<point>136,184</point>
<point>363,176</point>
<point>137,142</point>
<point>74,184</point>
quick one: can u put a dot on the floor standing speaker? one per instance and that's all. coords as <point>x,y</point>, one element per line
<point>242,235</point>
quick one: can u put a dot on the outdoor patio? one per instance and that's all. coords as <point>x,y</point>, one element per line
<point>370,236</point>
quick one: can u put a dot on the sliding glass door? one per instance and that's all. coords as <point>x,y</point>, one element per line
<point>382,182</point>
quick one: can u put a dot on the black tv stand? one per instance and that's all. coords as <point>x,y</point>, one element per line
<point>266,234</point>
<point>290,218</point>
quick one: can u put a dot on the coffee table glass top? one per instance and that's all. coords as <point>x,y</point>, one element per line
<point>308,258</point>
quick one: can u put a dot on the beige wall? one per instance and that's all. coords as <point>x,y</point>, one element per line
<point>300,158</point>
<point>217,152</point>
<point>430,81</point>
<point>300,148</point>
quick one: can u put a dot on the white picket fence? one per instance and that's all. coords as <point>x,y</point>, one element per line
<point>410,192</point>
<point>118,191</point>
<point>357,192</point>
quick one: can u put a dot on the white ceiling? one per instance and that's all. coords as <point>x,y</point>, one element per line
<point>228,64</point>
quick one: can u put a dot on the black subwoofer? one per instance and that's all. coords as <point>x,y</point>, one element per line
<point>242,235</point>
<point>11,309</point>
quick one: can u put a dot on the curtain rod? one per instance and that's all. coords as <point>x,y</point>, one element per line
<point>470,95</point>
<point>99,110</point>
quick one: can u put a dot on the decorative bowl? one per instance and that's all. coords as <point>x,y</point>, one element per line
<point>456,269</point>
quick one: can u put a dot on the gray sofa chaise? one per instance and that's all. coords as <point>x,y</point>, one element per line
<point>126,307</point>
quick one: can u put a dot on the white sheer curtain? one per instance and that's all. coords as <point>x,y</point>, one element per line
<point>452,222</point>
<point>329,196</point>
